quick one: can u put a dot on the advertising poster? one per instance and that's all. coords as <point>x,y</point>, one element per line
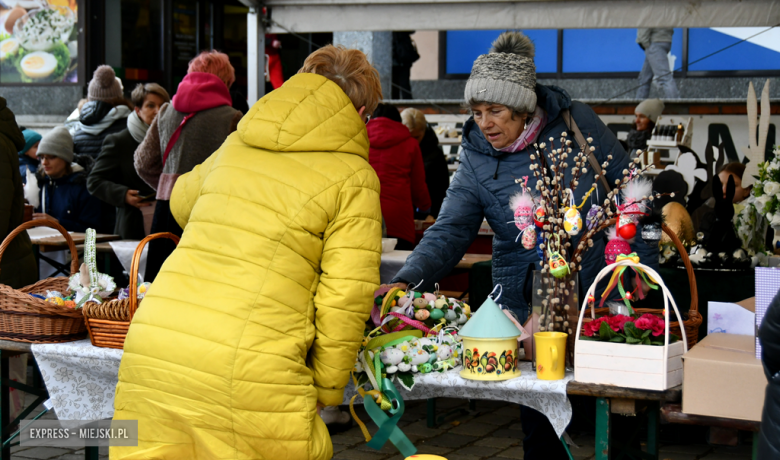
<point>38,41</point>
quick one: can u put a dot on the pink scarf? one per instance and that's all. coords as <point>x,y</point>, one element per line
<point>531,132</point>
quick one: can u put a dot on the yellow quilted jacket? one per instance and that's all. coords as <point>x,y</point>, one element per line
<point>259,312</point>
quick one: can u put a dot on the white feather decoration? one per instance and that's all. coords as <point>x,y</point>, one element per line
<point>636,189</point>
<point>521,199</point>
<point>31,190</point>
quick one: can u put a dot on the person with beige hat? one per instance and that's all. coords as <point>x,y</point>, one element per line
<point>647,113</point>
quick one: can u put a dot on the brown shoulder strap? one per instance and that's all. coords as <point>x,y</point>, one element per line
<point>594,163</point>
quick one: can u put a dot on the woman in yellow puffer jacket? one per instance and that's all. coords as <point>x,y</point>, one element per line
<point>254,321</point>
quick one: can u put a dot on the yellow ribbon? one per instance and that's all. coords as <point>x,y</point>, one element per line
<point>633,257</point>
<point>585,197</point>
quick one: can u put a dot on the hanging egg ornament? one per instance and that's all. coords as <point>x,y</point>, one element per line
<point>591,219</point>
<point>616,247</point>
<point>529,237</point>
<point>572,222</point>
<point>558,265</point>
<point>626,228</point>
<point>522,204</point>
<point>540,216</point>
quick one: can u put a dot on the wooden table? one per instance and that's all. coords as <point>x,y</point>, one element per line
<point>625,401</point>
<point>58,243</point>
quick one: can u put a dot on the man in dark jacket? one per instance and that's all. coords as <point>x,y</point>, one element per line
<point>105,113</point>
<point>769,335</point>
<point>17,268</point>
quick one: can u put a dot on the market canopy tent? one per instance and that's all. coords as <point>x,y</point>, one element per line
<point>303,16</point>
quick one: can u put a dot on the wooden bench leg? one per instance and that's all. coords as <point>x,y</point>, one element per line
<point>653,416</point>
<point>603,428</point>
<point>755,445</point>
<point>431,412</point>
<point>91,453</point>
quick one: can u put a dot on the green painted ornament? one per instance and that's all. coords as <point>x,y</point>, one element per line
<point>437,314</point>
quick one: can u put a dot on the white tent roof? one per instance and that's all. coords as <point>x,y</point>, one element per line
<point>384,15</point>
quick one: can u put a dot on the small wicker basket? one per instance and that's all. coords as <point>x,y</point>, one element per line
<point>694,318</point>
<point>24,318</point>
<point>108,322</point>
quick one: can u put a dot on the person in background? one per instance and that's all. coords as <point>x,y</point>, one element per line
<point>275,76</point>
<point>437,174</point>
<point>404,55</point>
<point>17,268</point>
<point>656,44</point>
<point>104,113</point>
<point>253,323</point>
<point>396,158</point>
<point>28,158</point>
<point>185,132</point>
<point>647,113</point>
<point>113,178</point>
<point>63,190</point>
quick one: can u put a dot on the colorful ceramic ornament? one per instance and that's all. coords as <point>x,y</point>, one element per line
<point>540,216</point>
<point>558,265</point>
<point>572,222</point>
<point>529,237</point>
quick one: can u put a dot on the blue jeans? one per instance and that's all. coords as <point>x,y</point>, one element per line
<point>657,64</point>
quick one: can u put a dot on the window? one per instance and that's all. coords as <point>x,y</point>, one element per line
<point>609,50</point>
<point>464,46</point>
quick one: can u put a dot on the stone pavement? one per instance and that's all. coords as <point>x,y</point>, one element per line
<point>492,431</point>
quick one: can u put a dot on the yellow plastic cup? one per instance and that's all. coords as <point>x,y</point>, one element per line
<point>550,355</point>
<point>425,457</point>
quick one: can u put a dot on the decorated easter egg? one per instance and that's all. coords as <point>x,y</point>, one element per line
<point>56,301</point>
<point>391,356</point>
<point>540,216</point>
<point>558,265</point>
<point>437,314</point>
<point>420,303</point>
<point>421,315</point>
<point>404,367</point>
<point>626,227</point>
<point>450,315</point>
<point>572,222</point>
<point>429,297</point>
<point>405,301</point>
<point>462,318</point>
<point>523,217</point>
<point>391,369</point>
<point>440,303</point>
<point>444,352</point>
<point>418,356</point>
<point>529,237</point>
<point>591,220</point>
<point>614,248</point>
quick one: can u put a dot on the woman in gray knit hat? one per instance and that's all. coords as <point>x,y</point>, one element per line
<point>510,112</point>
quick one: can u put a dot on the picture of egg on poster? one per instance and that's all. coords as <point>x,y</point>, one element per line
<point>38,41</point>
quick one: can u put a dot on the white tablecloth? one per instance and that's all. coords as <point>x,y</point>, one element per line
<point>392,262</point>
<point>80,378</point>
<point>547,396</point>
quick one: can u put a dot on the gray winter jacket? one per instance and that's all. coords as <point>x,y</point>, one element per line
<point>647,36</point>
<point>482,187</point>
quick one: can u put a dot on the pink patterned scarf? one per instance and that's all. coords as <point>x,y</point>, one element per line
<point>531,132</point>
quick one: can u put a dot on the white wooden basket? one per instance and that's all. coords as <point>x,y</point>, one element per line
<point>646,367</point>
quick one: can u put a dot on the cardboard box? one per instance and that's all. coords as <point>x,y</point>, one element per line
<point>732,318</point>
<point>723,378</point>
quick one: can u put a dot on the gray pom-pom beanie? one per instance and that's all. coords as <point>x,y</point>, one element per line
<point>104,85</point>
<point>506,75</point>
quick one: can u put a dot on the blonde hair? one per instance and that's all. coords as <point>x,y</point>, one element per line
<point>414,120</point>
<point>350,69</point>
<point>142,90</point>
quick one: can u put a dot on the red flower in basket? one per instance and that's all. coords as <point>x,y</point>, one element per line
<point>651,322</point>
<point>618,321</point>
<point>592,327</point>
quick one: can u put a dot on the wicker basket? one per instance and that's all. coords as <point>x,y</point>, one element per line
<point>24,318</point>
<point>108,322</point>
<point>692,319</point>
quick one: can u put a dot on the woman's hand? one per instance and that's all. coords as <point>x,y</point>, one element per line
<point>133,199</point>
<point>401,286</point>
<point>320,406</point>
<point>41,215</point>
